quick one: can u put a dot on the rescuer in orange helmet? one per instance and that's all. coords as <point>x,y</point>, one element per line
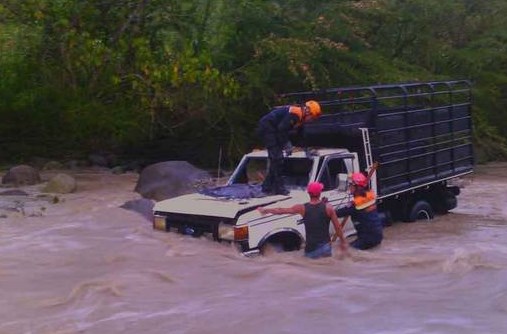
<point>274,129</point>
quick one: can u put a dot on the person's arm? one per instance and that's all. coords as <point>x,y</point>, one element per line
<point>295,209</point>
<point>337,227</point>
<point>288,123</point>
<point>345,211</point>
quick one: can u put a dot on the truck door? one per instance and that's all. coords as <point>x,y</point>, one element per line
<point>333,175</point>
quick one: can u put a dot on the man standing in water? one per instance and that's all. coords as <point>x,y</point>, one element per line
<point>316,216</point>
<point>274,129</point>
<point>363,212</point>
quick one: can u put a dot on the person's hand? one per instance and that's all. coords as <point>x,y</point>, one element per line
<point>344,249</point>
<point>288,149</point>
<point>262,210</point>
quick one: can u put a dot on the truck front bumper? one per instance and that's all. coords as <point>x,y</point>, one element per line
<point>197,226</point>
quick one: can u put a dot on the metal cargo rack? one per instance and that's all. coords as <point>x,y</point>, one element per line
<point>420,132</point>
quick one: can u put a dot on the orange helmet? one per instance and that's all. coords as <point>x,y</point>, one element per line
<point>359,179</point>
<point>314,108</point>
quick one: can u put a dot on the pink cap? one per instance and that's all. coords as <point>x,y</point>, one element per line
<point>315,188</point>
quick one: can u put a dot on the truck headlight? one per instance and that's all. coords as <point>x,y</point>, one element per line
<point>225,232</point>
<point>159,223</point>
<point>232,233</point>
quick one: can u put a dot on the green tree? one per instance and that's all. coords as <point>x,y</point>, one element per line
<point>196,75</point>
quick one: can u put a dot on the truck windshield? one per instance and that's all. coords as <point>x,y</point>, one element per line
<point>295,172</point>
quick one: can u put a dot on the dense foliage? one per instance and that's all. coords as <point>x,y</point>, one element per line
<point>186,78</point>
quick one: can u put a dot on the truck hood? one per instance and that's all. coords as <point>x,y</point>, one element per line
<point>200,204</point>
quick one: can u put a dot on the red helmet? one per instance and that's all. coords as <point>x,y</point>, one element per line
<point>315,188</point>
<point>359,179</point>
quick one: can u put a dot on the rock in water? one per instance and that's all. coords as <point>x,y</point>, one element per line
<point>61,184</point>
<point>22,175</point>
<point>169,179</point>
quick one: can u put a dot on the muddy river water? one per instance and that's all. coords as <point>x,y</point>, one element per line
<point>84,265</point>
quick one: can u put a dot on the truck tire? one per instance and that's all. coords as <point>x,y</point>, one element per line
<point>271,248</point>
<point>421,210</point>
<point>452,202</point>
<point>281,242</point>
<point>445,203</point>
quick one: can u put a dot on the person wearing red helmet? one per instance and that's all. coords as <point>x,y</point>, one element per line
<point>359,179</point>
<point>273,129</point>
<point>363,212</point>
<point>316,217</point>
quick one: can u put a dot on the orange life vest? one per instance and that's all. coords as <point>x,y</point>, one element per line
<point>366,201</point>
<point>298,111</point>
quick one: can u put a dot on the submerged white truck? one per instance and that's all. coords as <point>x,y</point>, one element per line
<point>419,133</point>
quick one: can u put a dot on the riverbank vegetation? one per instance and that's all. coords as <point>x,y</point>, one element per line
<point>187,79</point>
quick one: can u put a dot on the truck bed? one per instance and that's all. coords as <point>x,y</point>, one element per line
<point>420,133</point>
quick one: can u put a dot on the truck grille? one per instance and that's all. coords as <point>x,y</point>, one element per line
<point>189,224</point>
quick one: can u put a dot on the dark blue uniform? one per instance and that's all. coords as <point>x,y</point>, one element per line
<point>274,130</point>
<point>367,223</point>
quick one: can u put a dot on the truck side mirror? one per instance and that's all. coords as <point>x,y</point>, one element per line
<point>341,182</point>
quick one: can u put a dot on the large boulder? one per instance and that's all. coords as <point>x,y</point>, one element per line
<point>169,179</point>
<point>22,175</point>
<point>61,184</point>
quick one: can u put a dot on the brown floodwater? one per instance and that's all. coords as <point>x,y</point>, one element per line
<point>84,265</point>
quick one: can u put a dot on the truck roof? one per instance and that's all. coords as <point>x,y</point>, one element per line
<point>299,152</point>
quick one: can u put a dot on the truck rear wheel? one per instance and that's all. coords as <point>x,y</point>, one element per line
<point>421,210</point>
<point>445,203</point>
